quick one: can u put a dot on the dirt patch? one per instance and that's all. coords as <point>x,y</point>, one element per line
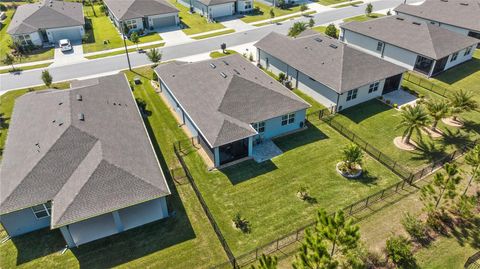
<point>451,122</point>
<point>399,143</point>
<point>437,133</point>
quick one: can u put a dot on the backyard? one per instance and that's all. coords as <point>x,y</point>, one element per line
<point>162,244</point>
<point>194,23</point>
<point>263,12</point>
<point>104,35</point>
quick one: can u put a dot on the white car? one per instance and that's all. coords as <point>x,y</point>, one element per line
<point>65,45</point>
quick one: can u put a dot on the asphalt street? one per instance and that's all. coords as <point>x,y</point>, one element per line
<point>31,78</point>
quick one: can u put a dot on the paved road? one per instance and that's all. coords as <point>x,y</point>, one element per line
<point>105,65</point>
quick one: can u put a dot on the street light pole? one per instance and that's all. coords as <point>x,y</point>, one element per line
<point>125,45</point>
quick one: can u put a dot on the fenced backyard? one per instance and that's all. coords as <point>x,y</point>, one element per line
<point>426,84</point>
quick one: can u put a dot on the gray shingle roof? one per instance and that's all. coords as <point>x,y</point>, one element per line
<point>30,18</point>
<point>461,13</point>
<point>131,9</point>
<point>215,2</point>
<point>85,167</point>
<point>223,108</point>
<point>327,60</point>
<point>420,37</point>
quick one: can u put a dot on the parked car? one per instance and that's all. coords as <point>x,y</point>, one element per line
<point>65,45</point>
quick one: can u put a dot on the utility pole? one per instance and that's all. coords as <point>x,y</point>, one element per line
<point>125,44</point>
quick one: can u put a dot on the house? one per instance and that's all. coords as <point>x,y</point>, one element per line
<point>230,104</point>
<point>213,9</point>
<point>416,45</point>
<point>142,15</point>
<point>331,72</point>
<point>461,16</point>
<point>81,161</point>
<point>47,22</point>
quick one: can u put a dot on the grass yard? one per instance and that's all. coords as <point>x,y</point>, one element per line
<point>364,17</point>
<point>103,30</point>
<point>25,68</point>
<point>330,2</point>
<point>218,54</point>
<point>377,123</point>
<point>305,14</point>
<point>355,3</point>
<point>162,244</point>
<point>228,31</point>
<point>118,52</point>
<point>194,23</point>
<point>263,12</point>
<point>321,29</point>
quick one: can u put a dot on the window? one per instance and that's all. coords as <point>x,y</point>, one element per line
<point>373,87</point>
<point>25,40</point>
<point>288,119</point>
<point>131,24</point>
<point>43,210</point>
<point>379,46</point>
<point>454,56</point>
<point>352,94</point>
<point>467,51</point>
<point>248,5</point>
<point>259,127</point>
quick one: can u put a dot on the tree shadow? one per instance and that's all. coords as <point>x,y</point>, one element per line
<point>460,71</point>
<point>246,170</point>
<point>364,111</point>
<point>310,135</point>
<point>366,178</point>
<point>429,151</point>
<point>471,126</point>
<point>467,232</point>
<point>456,137</point>
<point>90,34</point>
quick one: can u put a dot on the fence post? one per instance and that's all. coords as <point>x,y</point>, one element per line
<point>256,253</point>
<point>366,201</point>
<point>351,208</point>
<point>277,244</point>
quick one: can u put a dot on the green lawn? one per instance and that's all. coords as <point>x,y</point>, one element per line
<point>25,68</point>
<point>6,40</point>
<point>321,29</point>
<point>263,12</point>
<point>364,17</point>
<point>218,54</point>
<point>330,2</point>
<point>104,30</point>
<point>377,124</point>
<point>194,23</point>
<point>305,14</point>
<point>355,3</point>
<point>163,244</point>
<point>224,32</point>
<point>118,52</point>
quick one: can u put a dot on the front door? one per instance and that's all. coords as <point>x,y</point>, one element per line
<point>440,65</point>
<point>392,84</point>
<point>43,35</point>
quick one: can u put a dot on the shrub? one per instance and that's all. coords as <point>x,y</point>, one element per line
<point>282,77</point>
<point>331,30</point>
<point>395,105</point>
<point>399,250</point>
<point>388,101</point>
<point>302,193</point>
<point>241,223</point>
<point>47,78</point>
<point>3,7</point>
<point>250,57</point>
<point>414,227</point>
<point>154,76</point>
<point>389,13</point>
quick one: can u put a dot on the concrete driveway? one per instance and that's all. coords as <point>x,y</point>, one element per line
<point>237,25</point>
<point>174,35</point>
<point>68,57</point>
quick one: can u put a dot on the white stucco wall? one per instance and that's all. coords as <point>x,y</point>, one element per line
<point>34,37</point>
<point>460,58</point>
<point>362,96</point>
<point>241,6</point>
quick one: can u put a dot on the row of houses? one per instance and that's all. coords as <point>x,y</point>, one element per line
<point>81,160</point>
<point>51,21</point>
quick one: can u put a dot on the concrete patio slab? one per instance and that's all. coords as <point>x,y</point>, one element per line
<point>401,98</point>
<point>265,151</point>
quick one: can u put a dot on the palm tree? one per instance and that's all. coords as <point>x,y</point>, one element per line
<point>437,111</point>
<point>352,156</point>
<point>462,101</point>
<point>297,28</point>
<point>413,119</point>
<point>154,55</point>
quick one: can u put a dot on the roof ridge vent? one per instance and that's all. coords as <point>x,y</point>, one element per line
<point>464,4</point>
<point>444,1</point>
<point>333,46</point>
<point>400,19</point>
<point>81,117</point>
<point>416,23</point>
<point>318,39</point>
<point>212,65</point>
<point>223,75</point>
<point>79,97</point>
<point>236,71</point>
<point>225,62</point>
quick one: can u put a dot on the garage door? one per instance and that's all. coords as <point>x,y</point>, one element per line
<point>72,34</point>
<point>221,11</point>
<point>163,21</point>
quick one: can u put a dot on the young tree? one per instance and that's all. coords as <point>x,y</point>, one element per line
<point>331,30</point>
<point>414,227</point>
<point>352,156</point>
<point>437,110</point>
<point>313,253</point>
<point>272,15</point>
<point>399,250</point>
<point>311,23</point>
<point>462,101</point>
<point>389,13</point>
<point>266,262</point>
<point>303,8</point>
<point>369,9</point>
<point>413,119</point>
<point>473,160</point>
<point>223,47</point>
<point>135,38</point>
<point>9,60</point>
<point>297,28</point>
<point>47,78</point>
<point>154,55</point>
<point>443,187</point>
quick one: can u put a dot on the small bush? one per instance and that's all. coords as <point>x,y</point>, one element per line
<point>414,227</point>
<point>399,250</point>
<point>154,76</point>
<point>302,193</point>
<point>388,101</point>
<point>241,223</point>
<point>282,77</point>
<point>250,57</point>
<point>395,105</point>
<point>3,7</point>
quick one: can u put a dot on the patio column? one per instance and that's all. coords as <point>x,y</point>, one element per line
<point>250,146</point>
<point>67,236</point>
<point>163,203</point>
<point>118,221</point>
<point>431,68</point>
<point>217,156</point>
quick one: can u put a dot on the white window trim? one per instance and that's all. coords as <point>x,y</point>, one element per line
<point>467,51</point>
<point>380,45</point>
<point>288,117</point>
<point>373,87</point>
<point>44,209</point>
<point>257,126</point>
<point>352,94</point>
<point>454,57</point>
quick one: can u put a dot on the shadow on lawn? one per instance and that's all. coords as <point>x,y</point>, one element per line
<point>246,170</point>
<point>460,71</point>
<point>369,109</point>
<point>311,135</point>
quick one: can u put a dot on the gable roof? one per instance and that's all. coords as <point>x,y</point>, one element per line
<point>223,107</point>
<point>327,60</point>
<point>460,13</point>
<point>420,37</point>
<point>131,9</point>
<point>30,18</point>
<point>86,167</point>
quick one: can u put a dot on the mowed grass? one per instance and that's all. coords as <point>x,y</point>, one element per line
<point>364,17</point>
<point>194,23</point>
<point>263,12</point>
<point>355,3</point>
<point>218,54</point>
<point>6,40</point>
<point>224,32</point>
<point>184,240</point>
<point>330,2</point>
<point>118,52</point>
<point>104,30</point>
<point>378,123</point>
<point>25,68</point>
<point>321,29</point>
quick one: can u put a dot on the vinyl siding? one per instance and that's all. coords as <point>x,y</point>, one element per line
<point>23,221</point>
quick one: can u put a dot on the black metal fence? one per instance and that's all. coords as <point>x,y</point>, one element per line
<point>473,262</point>
<point>425,83</point>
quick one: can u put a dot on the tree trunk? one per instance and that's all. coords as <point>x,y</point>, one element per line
<point>470,181</point>
<point>93,8</point>
<point>406,140</point>
<point>440,197</point>
<point>434,125</point>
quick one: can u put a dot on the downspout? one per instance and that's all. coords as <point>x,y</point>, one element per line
<point>338,99</point>
<point>383,48</point>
